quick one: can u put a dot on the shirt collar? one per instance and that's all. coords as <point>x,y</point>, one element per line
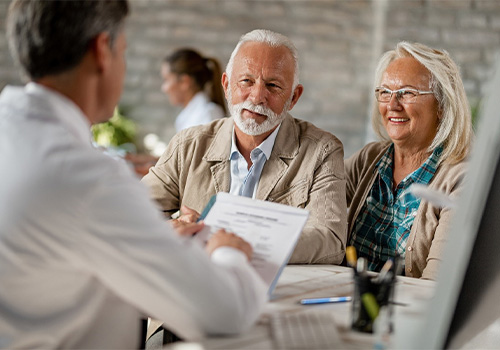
<point>65,110</point>
<point>427,170</point>
<point>422,175</point>
<point>266,146</point>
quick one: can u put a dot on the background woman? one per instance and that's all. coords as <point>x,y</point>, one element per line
<point>194,83</point>
<point>423,119</point>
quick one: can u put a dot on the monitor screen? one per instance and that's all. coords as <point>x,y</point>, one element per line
<point>478,304</point>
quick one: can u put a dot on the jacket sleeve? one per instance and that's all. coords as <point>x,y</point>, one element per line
<point>351,176</point>
<point>441,233</point>
<point>163,179</point>
<point>324,237</point>
<point>434,258</point>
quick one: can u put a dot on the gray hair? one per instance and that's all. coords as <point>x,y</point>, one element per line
<point>51,37</point>
<point>455,131</point>
<point>272,39</point>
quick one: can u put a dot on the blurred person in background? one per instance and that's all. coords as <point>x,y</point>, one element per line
<point>193,82</point>
<point>423,118</point>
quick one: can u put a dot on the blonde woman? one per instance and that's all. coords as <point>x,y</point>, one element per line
<point>423,119</point>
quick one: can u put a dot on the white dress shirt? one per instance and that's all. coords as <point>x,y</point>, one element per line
<point>200,110</point>
<point>84,252</point>
<point>239,167</point>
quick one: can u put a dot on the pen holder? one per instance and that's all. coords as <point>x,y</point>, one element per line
<point>370,295</point>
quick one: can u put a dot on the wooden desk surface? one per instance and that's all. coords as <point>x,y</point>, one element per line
<point>309,281</point>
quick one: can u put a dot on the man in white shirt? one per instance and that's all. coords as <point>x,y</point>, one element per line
<point>84,254</point>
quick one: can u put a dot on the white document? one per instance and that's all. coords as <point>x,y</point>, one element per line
<point>272,229</point>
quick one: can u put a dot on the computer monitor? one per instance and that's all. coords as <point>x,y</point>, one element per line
<point>466,297</point>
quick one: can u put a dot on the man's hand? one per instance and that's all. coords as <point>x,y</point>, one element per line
<point>223,239</point>
<point>186,228</point>
<point>188,215</point>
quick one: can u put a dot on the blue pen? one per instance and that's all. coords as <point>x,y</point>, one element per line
<point>325,300</point>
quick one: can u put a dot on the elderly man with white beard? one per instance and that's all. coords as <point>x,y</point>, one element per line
<point>261,151</point>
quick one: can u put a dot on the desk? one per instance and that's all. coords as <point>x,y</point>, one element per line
<point>309,281</point>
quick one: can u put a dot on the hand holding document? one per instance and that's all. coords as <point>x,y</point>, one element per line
<point>272,229</point>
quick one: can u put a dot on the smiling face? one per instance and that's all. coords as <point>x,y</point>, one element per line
<point>260,91</point>
<point>409,125</point>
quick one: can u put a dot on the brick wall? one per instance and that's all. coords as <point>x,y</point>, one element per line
<point>338,42</point>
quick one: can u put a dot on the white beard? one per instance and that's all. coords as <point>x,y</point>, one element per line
<point>250,126</point>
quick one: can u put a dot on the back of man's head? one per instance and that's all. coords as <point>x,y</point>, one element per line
<point>51,37</point>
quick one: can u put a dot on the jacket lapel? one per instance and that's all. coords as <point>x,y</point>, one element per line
<point>285,147</point>
<point>218,153</point>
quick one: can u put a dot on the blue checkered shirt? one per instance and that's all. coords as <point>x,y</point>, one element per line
<point>383,225</point>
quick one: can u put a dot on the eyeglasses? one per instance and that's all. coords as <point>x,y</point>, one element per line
<point>405,95</point>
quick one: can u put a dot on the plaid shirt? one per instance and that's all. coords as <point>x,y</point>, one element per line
<point>383,225</point>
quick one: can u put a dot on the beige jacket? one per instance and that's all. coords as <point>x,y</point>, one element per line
<point>430,228</point>
<point>305,170</point>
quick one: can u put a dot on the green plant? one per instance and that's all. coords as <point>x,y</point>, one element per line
<point>475,110</point>
<point>117,131</point>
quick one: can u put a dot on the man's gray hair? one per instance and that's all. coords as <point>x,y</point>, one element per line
<point>51,37</point>
<point>455,131</point>
<point>272,39</point>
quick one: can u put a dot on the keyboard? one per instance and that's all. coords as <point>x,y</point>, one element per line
<point>305,330</point>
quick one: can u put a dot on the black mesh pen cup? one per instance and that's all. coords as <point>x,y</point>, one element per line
<point>371,293</point>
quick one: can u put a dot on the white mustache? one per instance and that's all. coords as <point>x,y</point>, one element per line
<point>257,109</point>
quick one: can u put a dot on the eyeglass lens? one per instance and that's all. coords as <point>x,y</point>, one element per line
<point>403,95</point>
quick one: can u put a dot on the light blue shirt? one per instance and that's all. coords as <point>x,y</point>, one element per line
<point>241,176</point>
